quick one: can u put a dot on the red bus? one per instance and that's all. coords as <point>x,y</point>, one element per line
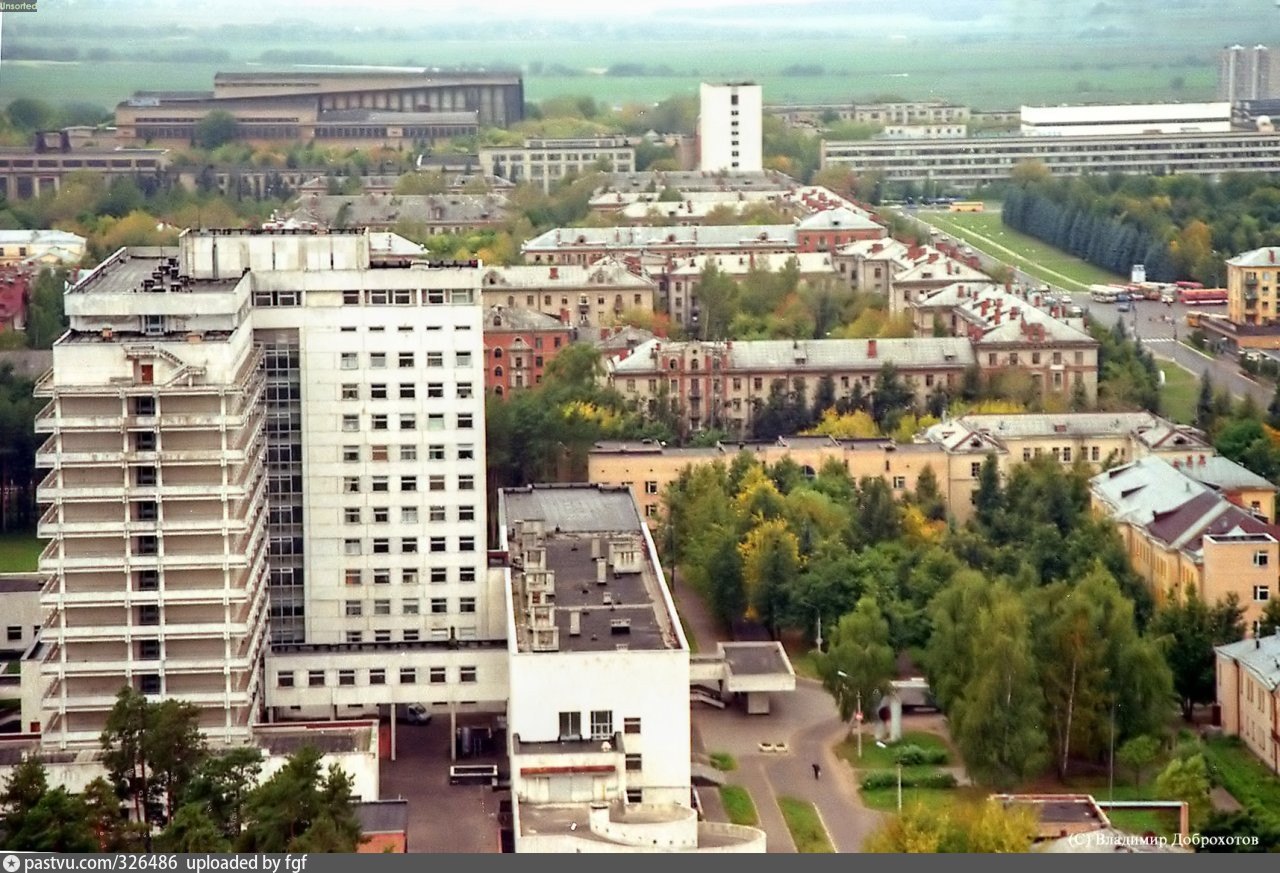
<point>1202,296</point>
<point>1190,286</point>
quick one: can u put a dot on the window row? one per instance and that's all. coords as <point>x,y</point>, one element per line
<point>407,297</point>
<point>406,421</point>
<point>408,575</point>
<point>353,454</point>
<point>354,484</point>
<point>436,606</point>
<point>375,676</point>
<point>408,545</point>
<point>405,390</point>
<point>600,725</point>
<point>404,360</point>
<point>408,514</point>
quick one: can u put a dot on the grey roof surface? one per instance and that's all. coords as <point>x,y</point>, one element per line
<point>1224,474</point>
<point>383,816</point>
<point>1139,491</point>
<point>655,237</point>
<point>574,508</point>
<point>1260,656</point>
<point>1263,257</point>
<point>498,319</point>
<point>795,356</point>
<point>755,659</point>
<point>383,116</point>
<point>386,209</point>
<point>16,582</point>
<point>1076,424</point>
<point>697,180</point>
<point>323,740</point>
<point>838,218</point>
<point>604,273</point>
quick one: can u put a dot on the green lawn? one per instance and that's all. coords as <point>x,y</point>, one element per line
<point>876,758</point>
<point>19,553</point>
<point>886,799</point>
<point>805,826</point>
<point>805,664</point>
<point>1179,393</point>
<point>688,634</point>
<point>723,761</point>
<point>983,230</point>
<point>738,804</point>
<point>1247,778</point>
<point>1139,821</point>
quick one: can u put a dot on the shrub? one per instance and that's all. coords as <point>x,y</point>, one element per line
<point>889,779</point>
<point>915,756</point>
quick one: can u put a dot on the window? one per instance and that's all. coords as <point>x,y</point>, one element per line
<point>408,577</point>
<point>465,391</point>
<point>144,475</point>
<point>1261,593</point>
<point>435,359</point>
<point>382,607</point>
<point>633,763</point>
<point>408,675</point>
<point>378,422</point>
<point>435,513</point>
<point>1066,454</point>
<point>409,514</point>
<point>465,420</point>
<point>408,391</point>
<point>466,674</point>
<point>349,361</point>
<point>439,575</point>
<point>435,421</point>
<point>631,725</point>
<point>378,360</point>
<point>405,360</point>
<point>651,487</point>
<point>466,483</point>
<point>1261,559</point>
<point>350,484</point>
<point>377,676</point>
<point>381,483</point>
<point>601,724</point>
<point>410,607</point>
<point>351,547</point>
<point>635,795</point>
<point>355,636</point>
<point>464,359</point>
<point>466,574</point>
<point>409,546</point>
<point>466,544</point>
<point>353,609</point>
<point>436,675</point>
<point>315,678</point>
<point>347,677</point>
<point>435,453</point>
<point>351,423</point>
<point>377,453</point>
<point>382,577</point>
<point>148,580</point>
<point>382,636</point>
<point>975,469</point>
<point>439,606</point>
<point>437,544</point>
<point>14,632</point>
<point>899,482</point>
<point>411,635</point>
<point>284,679</point>
<point>408,453</point>
<point>408,483</point>
<point>408,421</point>
<point>378,391</point>
<point>466,513</point>
<point>467,605</point>
<point>435,389</point>
<point>570,725</point>
<point>353,576</point>
<point>435,483</point>
<point>382,546</point>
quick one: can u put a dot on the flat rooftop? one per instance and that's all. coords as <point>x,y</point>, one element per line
<point>755,659</point>
<point>623,607</point>
<point>135,266</point>
<point>326,738</point>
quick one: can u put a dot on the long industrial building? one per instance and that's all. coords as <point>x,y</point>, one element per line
<point>378,107</point>
<point>966,163</point>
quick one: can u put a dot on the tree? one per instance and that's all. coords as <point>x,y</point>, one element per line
<point>151,751</point>
<point>107,819</point>
<point>1269,623</point>
<point>222,785</point>
<point>216,129</point>
<point>125,751</point>
<point>57,823</point>
<point>999,723</point>
<point>1138,754</point>
<point>770,561</point>
<point>1187,779</point>
<point>975,828</point>
<point>177,748</point>
<point>929,495</point>
<point>859,664</point>
<point>1189,630</point>
<point>717,295</point>
<point>1204,404</point>
<point>26,785</point>
<point>988,497</point>
<point>282,812</point>
<point>193,829</point>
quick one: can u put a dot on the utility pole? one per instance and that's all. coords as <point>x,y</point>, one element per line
<point>819,640</point>
<point>858,715</point>
<point>899,784</point>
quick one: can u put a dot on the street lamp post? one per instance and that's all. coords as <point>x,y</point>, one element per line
<point>857,714</point>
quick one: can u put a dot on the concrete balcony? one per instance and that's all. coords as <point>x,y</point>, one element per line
<point>49,526</point>
<point>104,702</point>
<point>196,631</point>
<point>49,491</point>
<point>212,665</point>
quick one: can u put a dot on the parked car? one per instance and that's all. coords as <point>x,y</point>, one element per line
<point>415,713</point>
<point>1123,306</point>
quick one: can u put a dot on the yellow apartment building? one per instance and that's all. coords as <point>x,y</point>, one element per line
<point>1248,677</point>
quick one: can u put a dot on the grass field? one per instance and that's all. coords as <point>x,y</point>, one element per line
<point>723,761</point>
<point>983,230</point>
<point>1179,392</point>
<point>1247,778</point>
<point>738,804</point>
<point>886,799</point>
<point>877,758</point>
<point>805,826</point>
<point>19,553</point>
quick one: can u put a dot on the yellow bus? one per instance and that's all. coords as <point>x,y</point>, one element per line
<point>967,206</point>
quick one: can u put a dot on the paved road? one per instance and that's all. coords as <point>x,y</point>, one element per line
<point>1158,327</point>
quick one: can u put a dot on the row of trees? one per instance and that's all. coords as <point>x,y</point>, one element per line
<point>166,790</point>
<point>1180,226</point>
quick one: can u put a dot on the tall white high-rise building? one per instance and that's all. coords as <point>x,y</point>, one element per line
<point>268,412</point>
<point>1247,74</point>
<point>730,128</point>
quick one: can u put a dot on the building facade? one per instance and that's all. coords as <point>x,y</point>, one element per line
<point>545,162</point>
<point>1247,74</point>
<point>965,163</point>
<point>518,345</point>
<point>1126,119</point>
<point>730,128</point>
<point>1253,288</point>
<point>593,295</point>
<point>1248,689</point>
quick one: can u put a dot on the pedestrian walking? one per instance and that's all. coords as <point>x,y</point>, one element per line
<point>817,771</point>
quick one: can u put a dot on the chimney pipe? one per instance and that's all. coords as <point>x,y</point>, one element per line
<point>602,569</point>
<point>871,348</point>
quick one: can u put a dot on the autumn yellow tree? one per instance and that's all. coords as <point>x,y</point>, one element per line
<point>846,426</point>
<point>988,827</point>
<point>770,563</point>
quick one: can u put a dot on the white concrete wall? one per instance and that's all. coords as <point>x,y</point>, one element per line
<point>21,611</point>
<point>718,138</point>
